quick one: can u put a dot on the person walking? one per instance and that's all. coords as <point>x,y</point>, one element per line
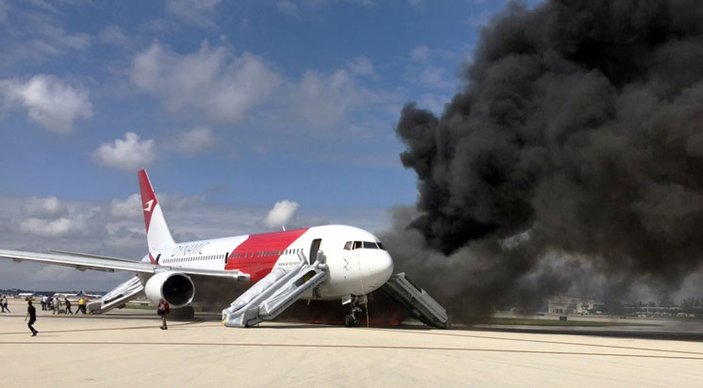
<point>81,306</point>
<point>32,315</point>
<point>3,303</point>
<point>56,304</point>
<point>68,305</point>
<point>162,309</point>
<point>44,302</point>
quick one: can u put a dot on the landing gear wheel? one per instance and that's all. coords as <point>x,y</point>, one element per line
<point>351,321</point>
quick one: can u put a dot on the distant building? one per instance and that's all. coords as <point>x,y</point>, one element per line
<point>565,305</point>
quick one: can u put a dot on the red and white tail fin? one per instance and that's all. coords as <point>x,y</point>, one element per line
<point>157,234</point>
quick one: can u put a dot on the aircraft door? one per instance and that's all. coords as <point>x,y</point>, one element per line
<point>314,248</point>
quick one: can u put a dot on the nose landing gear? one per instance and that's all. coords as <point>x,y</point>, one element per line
<point>353,319</point>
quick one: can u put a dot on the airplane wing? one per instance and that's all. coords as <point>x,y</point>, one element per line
<point>84,262</point>
<point>71,253</point>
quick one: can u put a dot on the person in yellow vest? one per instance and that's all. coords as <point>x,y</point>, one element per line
<point>81,306</point>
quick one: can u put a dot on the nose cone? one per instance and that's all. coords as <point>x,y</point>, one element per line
<point>379,268</point>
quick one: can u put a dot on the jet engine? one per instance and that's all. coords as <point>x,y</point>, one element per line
<point>174,287</point>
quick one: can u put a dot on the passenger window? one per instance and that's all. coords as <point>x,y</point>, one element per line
<point>347,245</point>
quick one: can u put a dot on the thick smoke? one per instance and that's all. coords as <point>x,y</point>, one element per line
<point>575,147</point>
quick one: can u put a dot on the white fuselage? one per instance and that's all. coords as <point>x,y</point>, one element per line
<point>357,263</point>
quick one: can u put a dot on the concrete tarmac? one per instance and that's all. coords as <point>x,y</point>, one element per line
<point>126,348</point>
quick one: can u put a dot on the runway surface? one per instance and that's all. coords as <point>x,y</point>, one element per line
<point>127,348</point>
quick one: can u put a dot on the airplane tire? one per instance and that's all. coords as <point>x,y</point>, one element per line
<point>351,321</point>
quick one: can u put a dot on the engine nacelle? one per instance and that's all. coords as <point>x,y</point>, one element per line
<point>174,287</point>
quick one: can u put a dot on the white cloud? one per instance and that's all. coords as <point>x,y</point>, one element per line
<point>434,102</point>
<point>44,5</point>
<point>281,213</point>
<point>424,54</point>
<point>129,208</point>
<point>113,35</point>
<point>50,217</point>
<point>194,141</point>
<point>224,86</point>
<point>174,201</point>
<point>57,38</point>
<point>324,100</point>
<point>32,36</point>
<point>288,8</point>
<point>197,12</point>
<point>44,207</point>
<point>361,66</point>
<point>49,101</point>
<point>52,228</point>
<point>127,154</point>
<point>434,77</point>
<point>481,20</point>
<point>420,54</point>
<point>429,68</point>
<point>48,38</point>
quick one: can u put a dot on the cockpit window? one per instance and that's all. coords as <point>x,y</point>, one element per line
<point>370,245</point>
<point>351,245</point>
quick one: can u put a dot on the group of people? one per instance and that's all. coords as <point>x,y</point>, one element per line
<point>162,309</point>
<point>54,304</point>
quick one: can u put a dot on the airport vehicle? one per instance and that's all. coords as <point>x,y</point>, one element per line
<point>266,272</point>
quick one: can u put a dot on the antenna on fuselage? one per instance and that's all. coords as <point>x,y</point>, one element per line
<point>283,227</point>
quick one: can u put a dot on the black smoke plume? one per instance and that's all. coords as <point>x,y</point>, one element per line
<point>576,147</point>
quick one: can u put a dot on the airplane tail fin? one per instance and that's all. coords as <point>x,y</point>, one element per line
<point>157,233</point>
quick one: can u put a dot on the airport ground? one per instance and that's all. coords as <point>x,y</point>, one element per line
<point>126,348</point>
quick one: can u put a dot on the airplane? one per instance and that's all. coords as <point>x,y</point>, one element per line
<point>265,272</point>
<point>65,294</point>
<point>88,295</point>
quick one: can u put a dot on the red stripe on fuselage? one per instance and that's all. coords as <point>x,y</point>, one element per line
<point>258,253</point>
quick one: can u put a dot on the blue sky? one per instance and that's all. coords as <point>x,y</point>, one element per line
<point>232,107</point>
